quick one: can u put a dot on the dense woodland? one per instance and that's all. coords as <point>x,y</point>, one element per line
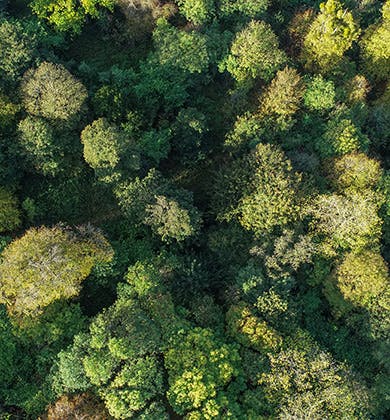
<point>194,209</point>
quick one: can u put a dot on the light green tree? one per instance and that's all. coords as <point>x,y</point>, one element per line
<point>47,264</point>
<point>254,53</point>
<point>50,91</point>
<point>197,11</point>
<point>330,35</point>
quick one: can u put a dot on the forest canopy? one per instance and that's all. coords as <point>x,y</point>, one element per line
<point>194,209</point>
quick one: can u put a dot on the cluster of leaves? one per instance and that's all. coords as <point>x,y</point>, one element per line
<point>194,209</point>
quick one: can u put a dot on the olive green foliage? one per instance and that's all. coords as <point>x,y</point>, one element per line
<point>360,278</point>
<point>249,8</point>
<point>50,91</point>
<point>49,264</point>
<point>9,211</point>
<point>197,378</point>
<point>282,98</point>
<point>349,222</point>
<point>375,46</point>
<point>254,53</point>
<point>107,149</point>
<point>261,189</point>
<point>17,49</point>
<point>330,35</point>
<point>38,143</point>
<point>8,111</point>
<point>305,381</point>
<point>197,11</point>
<point>170,221</point>
<point>342,136</point>
<point>320,94</point>
<point>69,15</point>
<point>184,50</point>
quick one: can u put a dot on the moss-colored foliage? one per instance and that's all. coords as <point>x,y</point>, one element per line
<point>261,190</point>
<point>282,98</point>
<point>38,143</point>
<point>341,136</point>
<point>306,381</point>
<point>50,91</point>
<point>197,11</point>
<point>375,46</point>
<point>247,8</point>
<point>354,172</point>
<point>8,111</point>
<point>170,221</point>
<point>250,330</point>
<point>320,94</point>
<point>68,15</point>
<point>108,149</point>
<point>330,35</point>
<point>17,49</point>
<point>47,264</point>
<point>200,366</point>
<point>254,53</point>
<point>10,217</point>
<point>176,48</point>
<point>349,222</point>
<point>360,278</point>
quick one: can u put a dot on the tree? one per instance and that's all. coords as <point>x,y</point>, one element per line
<point>282,98</point>
<point>254,53</point>
<point>171,221</point>
<point>69,16</point>
<point>375,46</point>
<point>47,264</point>
<point>177,48</point>
<point>38,145</point>
<point>197,11</point>
<point>341,136</point>
<point>260,190</point>
<point>17,49</point>
<point>50,91</point>
<point>360,278</point>
<point>348,222</point>
<point>8,111</point>
<point>197,378</point>
<point>108,150</point>
<point>9,211</point>
<point>305,381</point>
<point>354,172</point>
<point>248,8</point>
<point>330,35</point>
<point>320,94</point>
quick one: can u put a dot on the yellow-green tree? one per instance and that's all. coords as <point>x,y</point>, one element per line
<point>330,35</point>
<point>47,264</point>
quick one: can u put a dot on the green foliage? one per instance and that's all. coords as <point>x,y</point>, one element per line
<point>17,49</point>
<point>38,143</point>
<point>249,8</point>
<point>320,94</point>
<point>49,264</point>
<point>50,91</point>
<point>197,11</point>
<point>306,381</point>
<point>107,149</point>
<point>176,48</point>
<point>9,211</point>
<point>8,111</point>
<point>200,366</point>
<point>330,35</point>
<point>251,331</point>
<point>170,221</point>
<point>375,46</point>
<point>69,16</point>
<point>254,53</point>
<point>261,190</point>
<point>360,278</point>
<point>341,136</point>
<point>349,222</point>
